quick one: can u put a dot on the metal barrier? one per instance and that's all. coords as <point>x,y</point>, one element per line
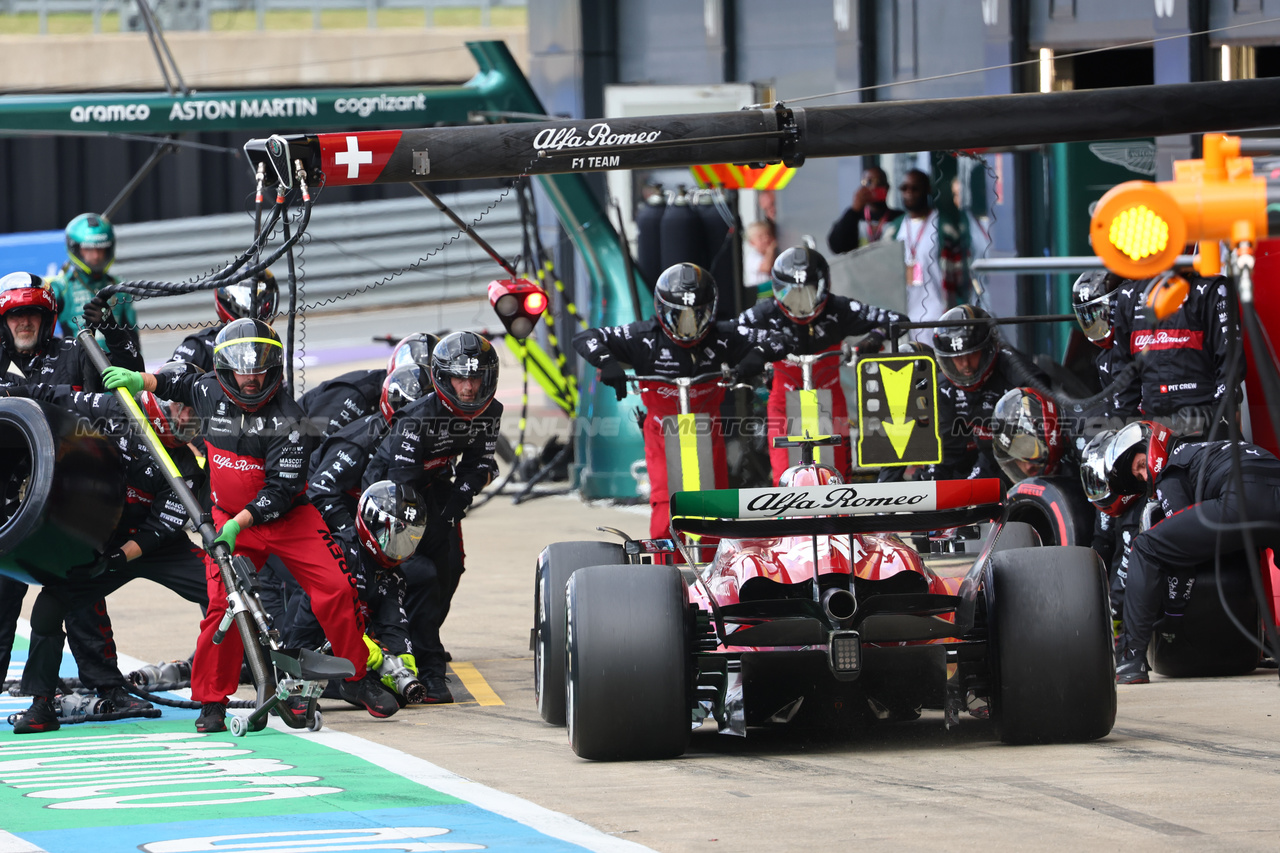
<point>352,247</point>
<point>196,14</point>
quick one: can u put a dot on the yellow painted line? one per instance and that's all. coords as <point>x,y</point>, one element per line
<point>475,683</point>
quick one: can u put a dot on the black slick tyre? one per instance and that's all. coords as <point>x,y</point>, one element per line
<point>628,692</point>
<point>1050,646</point>
<point>556,564</point>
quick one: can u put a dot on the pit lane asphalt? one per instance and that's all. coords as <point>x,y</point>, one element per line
<point>1191,764</point>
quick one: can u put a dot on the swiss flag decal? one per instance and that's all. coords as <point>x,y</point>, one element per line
<point>356,158</point>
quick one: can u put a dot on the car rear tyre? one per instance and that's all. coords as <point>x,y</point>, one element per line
<point>1210,646</point>
<point>1052,659</point>
<point>628,663</point>
<point>556,564</point>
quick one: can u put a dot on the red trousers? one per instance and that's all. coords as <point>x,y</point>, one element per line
<point>302,542</point>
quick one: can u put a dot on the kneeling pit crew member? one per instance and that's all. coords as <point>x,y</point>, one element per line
<point>1146,459</point>
<point>149,542</point>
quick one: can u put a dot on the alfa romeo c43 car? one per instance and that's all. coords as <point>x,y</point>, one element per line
<point>812,597</point>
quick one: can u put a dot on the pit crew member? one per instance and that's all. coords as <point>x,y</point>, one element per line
<point>232,302</point>
<point>258,472</point>
<point>683,339</point>
<point>1146,459</point>
<point>812,320</point>
<point>442,444</point>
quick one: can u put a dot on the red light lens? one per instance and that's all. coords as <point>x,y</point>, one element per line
<point>535,303</point>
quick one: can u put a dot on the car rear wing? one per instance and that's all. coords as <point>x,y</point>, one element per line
<point>838,509</point>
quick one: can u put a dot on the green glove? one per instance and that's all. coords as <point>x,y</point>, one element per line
<point>119,377</point>
<point>227,535</point>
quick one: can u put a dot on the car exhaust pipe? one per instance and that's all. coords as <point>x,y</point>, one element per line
<point>839,605</point>
<point>62,489</point>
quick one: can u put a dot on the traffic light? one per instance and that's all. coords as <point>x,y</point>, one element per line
<point>519,303</point>
<point>1139,228</point>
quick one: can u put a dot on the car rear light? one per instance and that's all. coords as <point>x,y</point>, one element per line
<point>845,653</point>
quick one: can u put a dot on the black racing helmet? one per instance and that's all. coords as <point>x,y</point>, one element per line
<point>415,348</point>
<point>390,521</point>
<point>1106,465</point>
<point>464,355</point>
<point>684,300</point>
<point>801,283</point>
<point>953,344</point>
<point>401,387</point>
<point>248,347</point>
<point>1092,298</point>
<point>237,301</point>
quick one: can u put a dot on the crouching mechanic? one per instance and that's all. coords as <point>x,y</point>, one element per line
<point>683,340</point>
<point>258,473</point>
<point>442,444</point>
<point>390,522</point>
<point>1144,458</point>
<point>148,542</point>
<point>813,321</point>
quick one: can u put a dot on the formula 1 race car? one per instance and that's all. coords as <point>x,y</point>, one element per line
<point>812,598</point>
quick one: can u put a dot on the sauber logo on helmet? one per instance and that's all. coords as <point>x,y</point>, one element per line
<point>1166,339</point>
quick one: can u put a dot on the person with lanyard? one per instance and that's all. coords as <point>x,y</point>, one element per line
<point>919,232</point>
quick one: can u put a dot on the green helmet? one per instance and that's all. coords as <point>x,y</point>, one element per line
<point>91,231</point>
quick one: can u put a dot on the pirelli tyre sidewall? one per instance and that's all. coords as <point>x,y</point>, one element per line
<point>1207,644</point>
<point>1056,507</point>
<point>556,564</point>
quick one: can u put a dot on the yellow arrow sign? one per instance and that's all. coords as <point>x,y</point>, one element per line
<point>897,392</point>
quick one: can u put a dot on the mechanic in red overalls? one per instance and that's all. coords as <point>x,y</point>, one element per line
<point>813,321</point>
<point>258,479</point>
<point>682,340</point>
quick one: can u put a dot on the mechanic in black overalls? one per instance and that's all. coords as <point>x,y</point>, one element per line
<point>149,542</point>
<point>28,314</point>
<point>334,404</point>
<point>977,370</point>
<point>338,467</point>
<point>1145,458</point>
<point>443,445</point>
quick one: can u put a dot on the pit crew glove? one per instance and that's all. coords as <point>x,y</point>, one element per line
<point>119,377</point>
<point>94,312</point>
<point>116,560</point>
<point>227,535</point>
<point>615,377</point>
<point>752,364</point>
<point>871,344</point>
<point>454,509</point>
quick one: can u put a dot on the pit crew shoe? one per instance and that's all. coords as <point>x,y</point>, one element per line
<point>40,717</point>
<point>123,702</point>
<point>369,693</point>
<point>1132,668</point>
<point>437,690</point>
<point>212,719</point>
<point>295,708</point>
